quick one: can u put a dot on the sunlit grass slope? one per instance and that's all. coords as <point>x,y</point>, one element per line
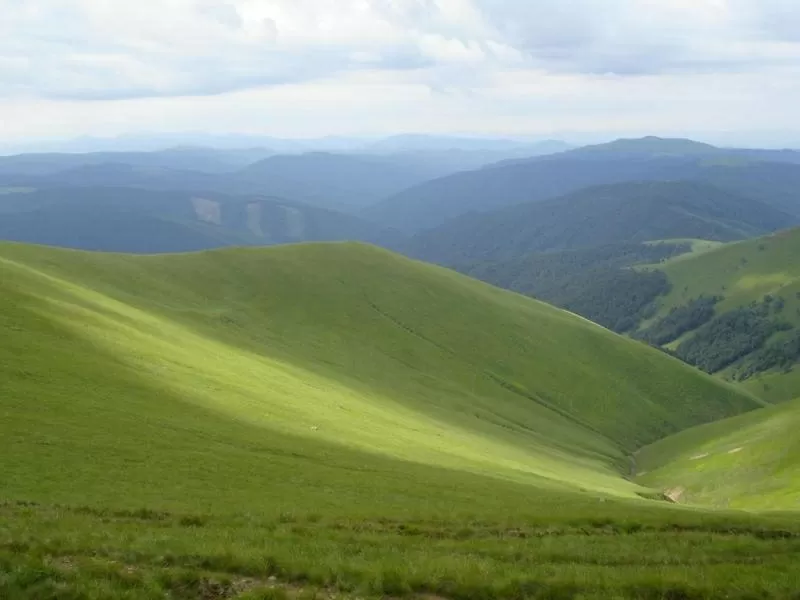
<point>742,272</point>
<point>333,420</point>
<point>321,350</point>
<point>696,247</point>
<point>749,461</point>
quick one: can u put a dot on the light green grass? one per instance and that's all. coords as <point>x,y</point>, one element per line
<point>749,461</point>
<point>697,247</point>
<point>339,416</point>
<point>775,387</point>
<point>742,272</point>
<point>343,345</point>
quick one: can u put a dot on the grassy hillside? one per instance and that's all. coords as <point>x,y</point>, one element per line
<point>336,416</point>
<point>750,461</point>
<point>763,273</point>
<point>599,216</point>
<point>743,272</point>
<point>351,330</point>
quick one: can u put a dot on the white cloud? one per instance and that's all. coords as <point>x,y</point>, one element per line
<point>483,59</point>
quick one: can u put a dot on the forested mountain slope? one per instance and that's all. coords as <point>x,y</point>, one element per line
<point>146,221</point>
<point>736,311</point>
<point>598,216</point>
<point>766,175</point>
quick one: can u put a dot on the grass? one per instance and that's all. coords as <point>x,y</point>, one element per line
<point>696,247</point>
<point>566,552</point>
<point>346,421</point>
<point>750,461</point>
<point>775,387</point>
<point>742,273</point>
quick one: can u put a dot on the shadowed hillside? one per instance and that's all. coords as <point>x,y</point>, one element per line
<point>599,216</point>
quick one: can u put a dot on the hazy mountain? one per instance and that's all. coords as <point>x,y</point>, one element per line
<point>338,181</point>
<point>145,221</point>
<point>434,202</point>
<point>597,216</point>
<point>540,178</point>
<point>426,143</point>
<point>198,159</point>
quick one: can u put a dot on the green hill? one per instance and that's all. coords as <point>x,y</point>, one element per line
<point>750,326</point>
<point>750,461</point>
<point>354,330</point>
<point>339,418</point>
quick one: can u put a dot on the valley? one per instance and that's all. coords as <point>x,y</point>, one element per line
<point>243,391</point>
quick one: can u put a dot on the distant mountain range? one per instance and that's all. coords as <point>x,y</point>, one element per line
<point>625,191</point>
<point>146,221</point>
<point>770,176</point>
<point>336,181</point>
<point>598,216</point>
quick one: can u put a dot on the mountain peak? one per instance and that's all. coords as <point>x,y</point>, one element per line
<point>650,145</point>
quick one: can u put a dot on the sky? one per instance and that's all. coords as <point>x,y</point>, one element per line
<point>311,68</point>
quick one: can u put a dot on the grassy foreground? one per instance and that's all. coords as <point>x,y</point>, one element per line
<point>334,419</point>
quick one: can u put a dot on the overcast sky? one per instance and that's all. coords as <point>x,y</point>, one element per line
<point>320,67</point>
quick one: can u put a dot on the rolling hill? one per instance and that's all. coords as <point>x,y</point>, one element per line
<point>751,461</point>
<point>324,419</point>
<point>755,285</point>
<point>732,309</point>
<point>145,221</point>
<point>340,327</point>
<point>599,216</point>
<point>766,175</point>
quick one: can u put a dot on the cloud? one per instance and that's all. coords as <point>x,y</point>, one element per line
<point>108,49</point>
<point>368,65</point>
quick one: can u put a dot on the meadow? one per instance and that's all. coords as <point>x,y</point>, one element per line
<point>335,420</point>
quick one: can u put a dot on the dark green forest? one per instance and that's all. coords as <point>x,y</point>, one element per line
<point>680,320</point>
<point>732,336</point>
<point>596,283</point>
